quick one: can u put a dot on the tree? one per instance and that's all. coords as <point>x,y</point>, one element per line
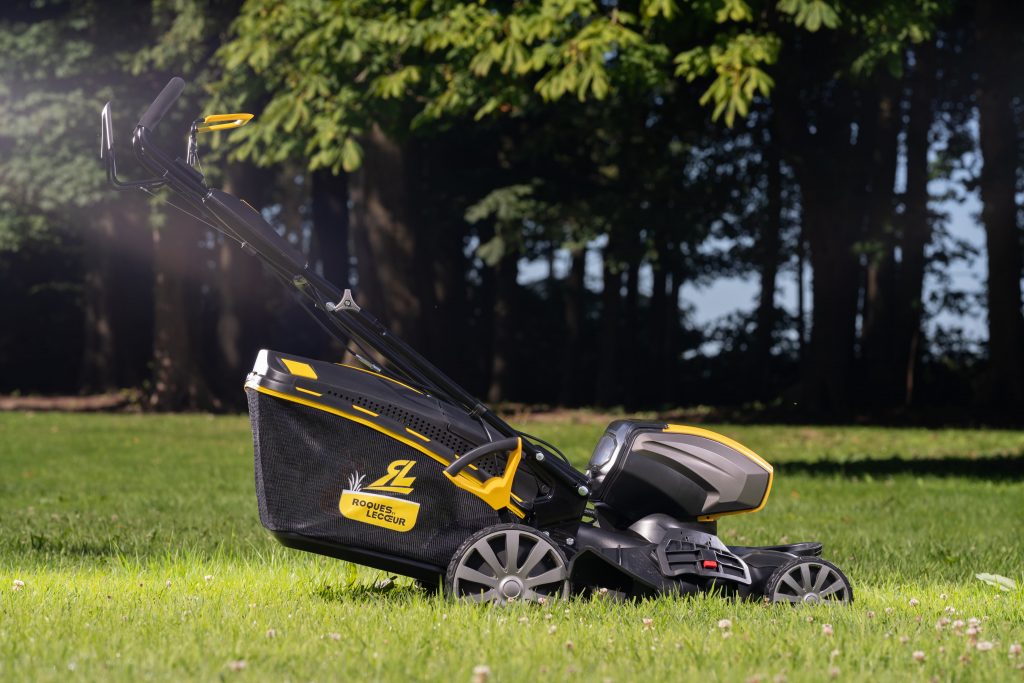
<point>998,36</point>
<point>55,65</point>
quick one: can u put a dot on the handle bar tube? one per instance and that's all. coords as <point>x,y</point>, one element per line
<point>356,323</point>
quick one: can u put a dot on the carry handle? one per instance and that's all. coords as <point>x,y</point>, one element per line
<point>163,103</point>
<point>502,446</point>
<point>496,491</point>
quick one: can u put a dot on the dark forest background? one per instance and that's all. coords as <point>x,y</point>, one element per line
<point>429,153</point>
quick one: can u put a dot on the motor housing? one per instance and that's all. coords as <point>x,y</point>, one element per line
<point>688,473</point>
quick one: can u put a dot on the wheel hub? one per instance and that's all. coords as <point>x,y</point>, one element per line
<point>811,599</point>
<point>511,587</point>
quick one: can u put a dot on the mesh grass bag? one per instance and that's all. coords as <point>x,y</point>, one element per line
<point>334,480</point>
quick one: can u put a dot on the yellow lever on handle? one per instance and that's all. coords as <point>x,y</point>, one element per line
<point>223,122</point>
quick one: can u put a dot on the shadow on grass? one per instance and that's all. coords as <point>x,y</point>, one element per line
<point>377,592</point>
<point>52,546</point>
<point>999,468</point>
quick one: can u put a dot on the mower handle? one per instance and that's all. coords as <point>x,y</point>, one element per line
<point>162,104</point>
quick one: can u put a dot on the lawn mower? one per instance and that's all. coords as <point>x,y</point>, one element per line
<point>386,462</point>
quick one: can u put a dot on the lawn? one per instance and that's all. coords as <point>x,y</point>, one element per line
<point>142,557</point>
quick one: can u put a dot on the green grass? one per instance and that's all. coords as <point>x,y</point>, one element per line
<point>142,558</point>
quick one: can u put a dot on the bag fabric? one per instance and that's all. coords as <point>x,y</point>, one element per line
<point>335,480</point>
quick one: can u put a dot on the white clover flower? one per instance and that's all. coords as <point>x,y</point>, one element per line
<point>724,624</point>
<point>918,655</point>
<point>984,646</point>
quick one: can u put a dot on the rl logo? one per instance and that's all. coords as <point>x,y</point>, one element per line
<point>397,480</point>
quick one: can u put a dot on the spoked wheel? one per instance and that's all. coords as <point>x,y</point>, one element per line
<point>808,581</point>
<point>507,562</point>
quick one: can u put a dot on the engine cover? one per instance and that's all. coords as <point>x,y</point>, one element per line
<point>643,468</point>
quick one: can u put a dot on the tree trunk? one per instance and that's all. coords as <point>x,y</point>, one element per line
<point>117,303</point>
<point>99,353</point>
<point>832,172</point>
<point>384,237</point>
<point>608,391</point>
<point>569,391</point>
<point>1004,386</point>
<point>178,379</point>
<point>239,285</point>
<point>329,208</point>
<point>631,321</point>
<point>670,351</point>
<point>880,360</point>
<point>660,319</point>
<point>503,345</point>
<point>916,223</point>
<point>826,373</point>
<point>769,253</point>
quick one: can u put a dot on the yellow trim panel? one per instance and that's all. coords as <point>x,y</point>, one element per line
<point>417,434</point>
<point>737,446</point>
<point>307,391</point>
<point>364,410</point>
<point>299,369</point>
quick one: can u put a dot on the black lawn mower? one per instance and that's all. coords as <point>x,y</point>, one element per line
<point>391,464</point>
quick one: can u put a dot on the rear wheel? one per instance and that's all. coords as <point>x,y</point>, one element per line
<point>808,581</point>
<point>507,562</point>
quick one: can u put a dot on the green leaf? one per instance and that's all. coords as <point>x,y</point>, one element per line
<point>492,250</point>
<point>1003,583</point>
<point>810,14</point>
<point>733,10</point>
<point>351,155</point>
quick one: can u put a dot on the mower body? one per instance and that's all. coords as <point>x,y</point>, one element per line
<point>351,463</point>
<point>394,465</point>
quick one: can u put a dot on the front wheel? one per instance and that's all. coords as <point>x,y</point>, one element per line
<point>507,562</point>
<point>808,581</point>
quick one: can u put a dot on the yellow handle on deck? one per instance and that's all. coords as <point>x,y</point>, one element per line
<point>496,491</point>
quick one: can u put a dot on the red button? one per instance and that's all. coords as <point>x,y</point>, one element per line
<point>710,564</point>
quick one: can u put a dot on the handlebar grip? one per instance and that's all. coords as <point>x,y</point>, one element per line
<point>162,104</point>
